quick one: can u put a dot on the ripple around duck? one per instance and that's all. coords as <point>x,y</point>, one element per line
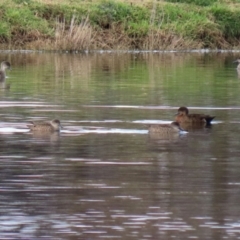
<point>10,130</point>
<point>119,163</point>
<point>24,104</point>
<point>68,131</point>
<point>99,162</point>
<point>99,130</point>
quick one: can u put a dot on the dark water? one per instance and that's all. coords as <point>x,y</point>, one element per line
<point>103,177</point>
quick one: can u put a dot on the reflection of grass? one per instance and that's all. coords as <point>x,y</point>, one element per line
<point>119,24</point>
<point>116,79</point>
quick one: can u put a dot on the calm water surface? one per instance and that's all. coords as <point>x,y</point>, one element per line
<point>103,177</point>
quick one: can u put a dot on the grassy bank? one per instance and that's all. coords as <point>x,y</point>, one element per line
<point>79,25</point>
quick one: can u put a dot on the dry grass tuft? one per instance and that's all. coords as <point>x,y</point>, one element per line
<point>114,38</point>
<point>168,41</point>
<point>75,37</point>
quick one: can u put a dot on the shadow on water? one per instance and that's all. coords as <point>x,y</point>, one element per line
<point>104,176</point>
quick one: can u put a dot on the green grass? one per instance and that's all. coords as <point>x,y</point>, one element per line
<point>111,24</point>
<point>227,19</point>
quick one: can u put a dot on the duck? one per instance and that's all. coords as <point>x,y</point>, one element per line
<point>46,127</point>
<point>238,66</point>
<point>165,129</point>
<point>4,65</point>
<point>183,116</point>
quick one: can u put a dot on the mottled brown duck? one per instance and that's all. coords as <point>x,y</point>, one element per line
<point>46,127</point>
<point>165,129</point>
<point>4,66</point>
<point>238,66</point>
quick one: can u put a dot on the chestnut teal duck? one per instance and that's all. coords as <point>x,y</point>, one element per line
<point>183,116</point>
<point>46,127</point>
<point>4,65</point>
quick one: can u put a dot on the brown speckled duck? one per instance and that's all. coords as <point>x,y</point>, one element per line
<point>4,65</point>
<point>238,66</point>
<point>46,127</point>
<point>183,116</point>
<point>165,129</point>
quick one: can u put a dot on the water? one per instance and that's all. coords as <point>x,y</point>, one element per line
<point>103,177</point>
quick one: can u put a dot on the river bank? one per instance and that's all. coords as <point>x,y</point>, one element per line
<point>119,25</point>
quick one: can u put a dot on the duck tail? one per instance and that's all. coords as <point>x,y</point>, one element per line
<point>209,119</point>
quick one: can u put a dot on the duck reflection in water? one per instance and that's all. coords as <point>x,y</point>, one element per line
<point>4,66</point>
<point>45,138</point>
<point>192,121</point>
